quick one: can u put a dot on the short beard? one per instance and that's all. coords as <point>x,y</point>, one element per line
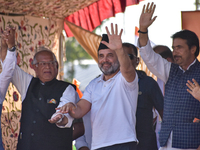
<point>113,69</point>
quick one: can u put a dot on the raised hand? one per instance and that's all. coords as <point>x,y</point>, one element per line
<point>9,36</point>
<point>115,42</point>
<point>146,16</point>
<point>194,89</point>
<point>4,45</point>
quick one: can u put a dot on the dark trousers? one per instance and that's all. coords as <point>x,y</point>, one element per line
<point>123,146</point>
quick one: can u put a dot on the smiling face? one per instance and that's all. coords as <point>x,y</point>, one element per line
<point>46,67</point>
<point>183,56</point>
<point>108,62</point>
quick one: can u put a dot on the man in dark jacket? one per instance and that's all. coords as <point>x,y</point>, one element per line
<point>149,97</point>
<point>41,128</point>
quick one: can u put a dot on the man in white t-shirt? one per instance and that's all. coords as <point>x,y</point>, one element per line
<point>112,98</point>
<point>84,142</point>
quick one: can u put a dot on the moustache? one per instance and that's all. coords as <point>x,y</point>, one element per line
<point>175,56</point>
<point>108,63</point>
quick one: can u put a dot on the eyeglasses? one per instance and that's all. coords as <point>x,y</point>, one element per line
<point>43,63</point>
<point>131,56</point>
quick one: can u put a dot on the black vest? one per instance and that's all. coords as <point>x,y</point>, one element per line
<point>36,133</point>
<point>180,109</point>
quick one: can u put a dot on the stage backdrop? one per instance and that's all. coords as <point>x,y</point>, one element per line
<point>191,21</point>
<point>31,33</point>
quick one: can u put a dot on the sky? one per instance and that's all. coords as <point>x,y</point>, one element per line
<point>168,20</point>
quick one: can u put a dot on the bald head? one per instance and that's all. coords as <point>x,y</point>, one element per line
<point>164,51</point>
<point>43,51</point>
<point>45,65</point>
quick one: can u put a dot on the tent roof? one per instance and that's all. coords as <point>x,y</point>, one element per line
<point>43,8</point>
<point>91,16</point>
<point>87,14</point>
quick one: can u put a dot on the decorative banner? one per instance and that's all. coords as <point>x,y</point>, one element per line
<point>31,33</point>
<point>190,21</point>
<point>88,40</point>
<point>91,16</point>
<point>43,8</point>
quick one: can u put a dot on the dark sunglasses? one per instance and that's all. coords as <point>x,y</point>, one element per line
<point>131,56</point>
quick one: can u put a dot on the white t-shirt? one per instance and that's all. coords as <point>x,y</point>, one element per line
<point>114,104</point>
<point>86,139</point>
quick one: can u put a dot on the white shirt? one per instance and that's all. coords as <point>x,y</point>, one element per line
<point>86,139</point>
<point>159,67</point>
<point>161,85</point>
<point>114,104</point>
<point>21,80</point>
<point>159,120</point>
<point>8,67</point>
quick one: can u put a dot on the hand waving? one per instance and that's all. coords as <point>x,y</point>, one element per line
<point>115,42</point>
<point>3,42</point>
<point>146,16</point>
<point>9,36</point>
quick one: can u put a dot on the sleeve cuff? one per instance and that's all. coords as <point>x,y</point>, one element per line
<point>70,120</point>
<point>80,144</point>
<point>10,54</point>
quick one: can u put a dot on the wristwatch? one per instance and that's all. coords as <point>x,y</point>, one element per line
<point>12,49</point>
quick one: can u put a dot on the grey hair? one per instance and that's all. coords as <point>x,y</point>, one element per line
<point>43,49</point>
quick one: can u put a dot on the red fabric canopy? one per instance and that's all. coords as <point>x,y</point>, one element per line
<point>90,17</point>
